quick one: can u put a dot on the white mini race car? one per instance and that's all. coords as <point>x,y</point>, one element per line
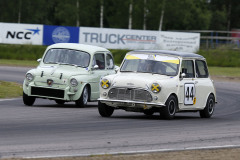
<point>151,81</point>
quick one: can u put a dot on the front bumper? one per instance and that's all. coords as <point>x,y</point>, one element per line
<point>129,103</point>
<point>65,93</point>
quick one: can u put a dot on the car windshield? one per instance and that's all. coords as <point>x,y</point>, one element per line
<point>67,57</point>
<point>155,64</point>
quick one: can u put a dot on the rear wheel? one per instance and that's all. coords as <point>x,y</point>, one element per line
<point>58,101</point>
<point>168,112</point>
<point>82,101</point>
<point>105,110</point>
<point>28,100</point>
<point>209,108</point>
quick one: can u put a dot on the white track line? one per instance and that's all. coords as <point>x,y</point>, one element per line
<point>9,99</point>
<point>137,152</point>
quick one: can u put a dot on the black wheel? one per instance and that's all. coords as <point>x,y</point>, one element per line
<point>168,112</point>
<point>148,112</point>
<point>82,101</point>
<point>58,101</point>
<point>28,100</point>
<point>105,110</point>
<point>209,108</point>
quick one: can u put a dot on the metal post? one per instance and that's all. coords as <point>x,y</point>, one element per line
<point>130,15</point>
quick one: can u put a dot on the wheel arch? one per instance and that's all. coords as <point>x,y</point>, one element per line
<point>173,94</point>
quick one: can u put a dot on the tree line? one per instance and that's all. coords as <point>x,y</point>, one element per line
<point>126,14</point>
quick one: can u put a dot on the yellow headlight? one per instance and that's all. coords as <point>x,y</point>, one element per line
<point>105,83</point>
<point>155,88</point>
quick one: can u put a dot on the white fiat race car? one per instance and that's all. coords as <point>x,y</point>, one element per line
<point>151,81</point>
<point>68,72</point>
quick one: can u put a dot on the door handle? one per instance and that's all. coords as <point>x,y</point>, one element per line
<point>196,82</point>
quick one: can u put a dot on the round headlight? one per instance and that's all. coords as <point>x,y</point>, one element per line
<point>105,83</point>
<point>155,88</point>
<point>29,77</point>
<point>73,82</point>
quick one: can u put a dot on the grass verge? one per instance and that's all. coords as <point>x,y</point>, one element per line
<point>10,89</point>
<point>21,63</point>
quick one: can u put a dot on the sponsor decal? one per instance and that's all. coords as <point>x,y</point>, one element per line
<point>60,34</point>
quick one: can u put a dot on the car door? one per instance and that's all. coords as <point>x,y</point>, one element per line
<point>202,83</point>
<point>187,90</point>
<point>99,70</point>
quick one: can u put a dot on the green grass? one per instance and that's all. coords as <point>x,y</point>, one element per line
<point>23,63</point>
<point>10,89</point>
<point>225,71</point>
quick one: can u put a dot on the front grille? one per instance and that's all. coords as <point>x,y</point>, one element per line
<point>48,92</point>
<point>130,94</point>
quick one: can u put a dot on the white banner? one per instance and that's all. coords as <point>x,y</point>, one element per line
<point>119,38</point>
<point>21,33</point>
<point>139,39</point>
<point>179,41</point>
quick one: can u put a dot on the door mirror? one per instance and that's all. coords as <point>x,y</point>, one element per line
<point>183,75</point>
<point>39,60</point>
<point>95,67</point>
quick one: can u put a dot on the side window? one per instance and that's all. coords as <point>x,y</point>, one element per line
<point>110,63</point>
<point>99,59</point>
<point>188,68</point>
<point>201,69</point>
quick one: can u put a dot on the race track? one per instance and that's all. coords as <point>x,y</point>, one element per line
<point>48,130</point>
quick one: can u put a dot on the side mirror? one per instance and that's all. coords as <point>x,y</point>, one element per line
<point>95,67</point>
<point>116,68</point>
<point>183,75</point>
<point>39,60</point>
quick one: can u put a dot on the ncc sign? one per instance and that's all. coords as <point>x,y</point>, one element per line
<point>21,33</point>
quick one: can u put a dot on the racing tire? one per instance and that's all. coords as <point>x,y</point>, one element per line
<point>60,102</point>
<point>82,101</point>
<point>207,112</point>
<point>148,112</point>
<point>168,111</point>
<point>105,110</point>
<point>28,100</point>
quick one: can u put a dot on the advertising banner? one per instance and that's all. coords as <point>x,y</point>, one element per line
<point>13,33</point>
<point>119,38</point>
<point>179,41</point>
<point>60,34</point>
<point>139,39</point>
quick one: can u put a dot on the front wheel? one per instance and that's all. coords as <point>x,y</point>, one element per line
<point>168,111</point>
<point>28,100</point>
<point>209,108</point>
<point>105,110</point>
<point>82,101</point>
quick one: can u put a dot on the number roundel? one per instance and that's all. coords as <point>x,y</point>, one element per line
<point>189,94</point>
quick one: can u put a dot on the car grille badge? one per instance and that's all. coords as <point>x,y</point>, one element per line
<point>50,82</point>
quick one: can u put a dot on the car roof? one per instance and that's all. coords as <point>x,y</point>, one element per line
<point>82,47</point>
<point>166,52</point>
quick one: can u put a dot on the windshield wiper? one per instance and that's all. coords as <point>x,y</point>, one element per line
<point>51,62</point>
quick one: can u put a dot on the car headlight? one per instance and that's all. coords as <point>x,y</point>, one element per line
<point>29,77</point>
<point>73,82</point>
<point>105,83</point>
<point>155,88</point>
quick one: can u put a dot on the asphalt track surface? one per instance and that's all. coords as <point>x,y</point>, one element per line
<point>48,130</point>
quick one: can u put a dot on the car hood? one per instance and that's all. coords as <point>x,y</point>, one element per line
<point>137,80</point>
<point>60,70</point>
